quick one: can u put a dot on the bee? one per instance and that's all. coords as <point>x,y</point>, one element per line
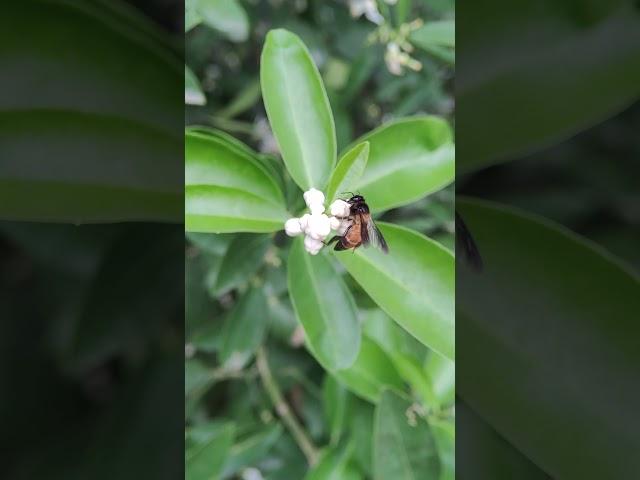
<point>362,230</point>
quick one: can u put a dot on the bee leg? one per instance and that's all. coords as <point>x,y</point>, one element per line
<point>340,246</point>
<point>335,238</point>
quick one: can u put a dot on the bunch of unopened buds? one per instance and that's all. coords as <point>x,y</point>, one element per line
<point>317,225</point>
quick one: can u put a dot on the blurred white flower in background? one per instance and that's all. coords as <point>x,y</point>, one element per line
<point>368,8</point>
<point>317,225</point>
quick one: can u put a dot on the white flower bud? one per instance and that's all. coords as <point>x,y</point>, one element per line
<point>316,208</point>
<point>312,245</point>
<point>340,208</point>
<point>335,223</point>
<point>313,197</point>
<point>319,226</point>
<point>304,222</point>
<point>292,227</point>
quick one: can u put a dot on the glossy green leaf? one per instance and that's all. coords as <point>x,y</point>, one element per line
<point>444,433</point>
<point>325,308</point>
<point>227,189</point>
<point>251,450</point>
<point>207,448</point>
<point>335,464</point>
<point>442,377</point>
<point>335,401</point>
<point>408,159</point>
<point>298,109</point>
<point>244,256</point>
<point>215,159</point>
<point>244,329</point>
<point>483,453</point>
<point>193,94</point>
<point>348,171</point>
<point>371,373</point>
<point>403,444</point>
<point>439,33</point>
<point>576,65</point>
<point>226,16</point>
<point>69,155</point>
<point>414,284</point>
<point>554,309</point>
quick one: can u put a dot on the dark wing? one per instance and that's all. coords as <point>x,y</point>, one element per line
<point>371,235</point>
<point>466,245</point>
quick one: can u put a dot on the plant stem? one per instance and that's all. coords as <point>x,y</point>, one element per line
<point>281,406</point>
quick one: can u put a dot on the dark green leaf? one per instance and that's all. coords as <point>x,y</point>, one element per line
<point>348,171</point>
<point>324,307</point>
<point>207,450</point>
<point>404,447</point>
<point>244,256</point>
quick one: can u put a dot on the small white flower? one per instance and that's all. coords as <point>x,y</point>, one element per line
<point>304,221</point>
<point>292,227</point>
<point>367,7</point>
<point>335,223</point>
<point>340,208</point>
<point>319,227</point>
<point>313,197</point>
<point>393,58</point>
<point>312,245</point>
<point>316,208</point>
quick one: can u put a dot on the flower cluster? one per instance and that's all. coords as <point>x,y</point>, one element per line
<point>316,226</point>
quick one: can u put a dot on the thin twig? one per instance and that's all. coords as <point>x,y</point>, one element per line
<point>281,406</point>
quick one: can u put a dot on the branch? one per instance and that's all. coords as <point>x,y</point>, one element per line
<point>273,390</point>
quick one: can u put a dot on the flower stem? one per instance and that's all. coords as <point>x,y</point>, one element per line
<point>283,409</point>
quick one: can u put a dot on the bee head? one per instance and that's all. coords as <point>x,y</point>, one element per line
<point>356,200</point>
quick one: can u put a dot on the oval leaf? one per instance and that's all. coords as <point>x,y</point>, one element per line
<point>414,284</point>
<point>244,329</point>
<point>371,373</point>
<point>408,159</point>
<point>403,445</point>
<point>335,464</point>
<point>227,190</point>
<point>552,314</point>
<point>226,16</point>
<point>207,448</point>
<point>325,308</point>
<point>193,94</point>
<point>348,171</point>
<point>298,109</point>
<point>515,95</point>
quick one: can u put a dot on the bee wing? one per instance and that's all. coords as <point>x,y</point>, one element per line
<point>371,235</point>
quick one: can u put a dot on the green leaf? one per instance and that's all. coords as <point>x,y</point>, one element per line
<point>72,157</point>
<point>554,309</point>
<point>403,444</point>
<point>348,171</point>
<point>244,329</point>
<point>251,450</point>
<point>525,95</point>
<point>442,377</point>
<point>226,16</point>
<point>243,258</point>
<point>207,448</point>
<point>216,159</point>
<point>439,34</point>
<point>193,94</point>
<point>298,109</point>
<point>414,284</point>
<point>444,433</point>
<point>325,308</point>
<point>227,189</point>
<point>335,400</point>
<point>371,373</point>
<point>191,16</point>
<point>408,159</point>
<point>335,464</point>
